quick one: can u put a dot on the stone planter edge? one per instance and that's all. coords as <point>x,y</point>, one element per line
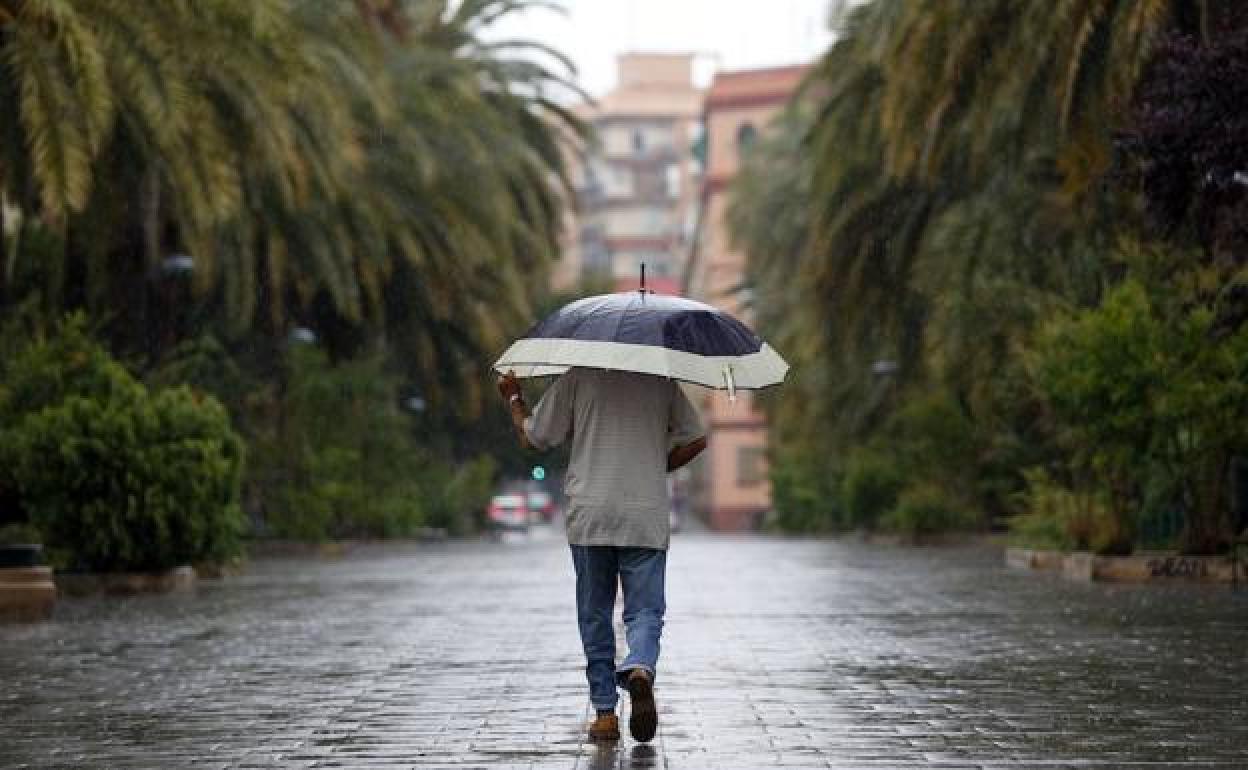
<point>125,583</point>
<point>1142,567</point>
<point>26,593</point>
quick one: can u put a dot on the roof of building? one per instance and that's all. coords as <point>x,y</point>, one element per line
<point>748,88</point>
<point>650,85</point>
<point>651,100</point>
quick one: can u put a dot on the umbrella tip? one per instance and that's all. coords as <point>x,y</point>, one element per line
<point>643,278</point>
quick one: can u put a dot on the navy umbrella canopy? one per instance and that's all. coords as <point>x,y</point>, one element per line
<point>640,331</point>
<point>642,318</point>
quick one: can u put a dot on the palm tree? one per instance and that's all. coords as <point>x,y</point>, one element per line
<point>128,126</point>
<point>438,232</point>
<point>989,78</point>
<point>926,200</point>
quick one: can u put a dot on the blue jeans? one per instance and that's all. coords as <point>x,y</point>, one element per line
<point>599,569</point>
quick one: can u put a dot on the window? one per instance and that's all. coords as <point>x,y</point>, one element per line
<point>672,180</point>
<point>698,147</point>
<point>617,181</point>
<point>637,222</point>
<point>616,140</point>
<point>751,466</point>
<point>639,141</point>
<point>747,135</point>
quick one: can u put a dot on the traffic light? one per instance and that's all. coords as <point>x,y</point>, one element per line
<point>539,473</point>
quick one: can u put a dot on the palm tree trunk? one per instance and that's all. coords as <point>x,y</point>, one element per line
<point>154,310</point>
<point>6,262</point>
<point>149,203</point>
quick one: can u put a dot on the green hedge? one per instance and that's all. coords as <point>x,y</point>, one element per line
<point>343,459</point>
<point>870,488</point>
<point>113,476</point>
<point>927,509</point>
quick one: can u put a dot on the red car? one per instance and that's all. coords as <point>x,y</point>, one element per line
<point>508,513</point>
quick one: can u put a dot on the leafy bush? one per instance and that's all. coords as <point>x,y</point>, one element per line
<point>869,488</point>
<point>1144,387</point>
<point>926,509</point>
<point>113,477</point>
<point>1057,517</point>
<point>19,534</point>
<point>140,484</point>
<point>70,363</point>
<point>804,493</point>
<point>455,498</point>
<point>343,459</point>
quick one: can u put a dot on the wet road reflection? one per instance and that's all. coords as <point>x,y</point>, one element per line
<point>777,652</point>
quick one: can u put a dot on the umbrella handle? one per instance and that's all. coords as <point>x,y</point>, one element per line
<point>730,384</point>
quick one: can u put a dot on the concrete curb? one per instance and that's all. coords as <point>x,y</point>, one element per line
<point>1143,567</point>
<point>125,583</point>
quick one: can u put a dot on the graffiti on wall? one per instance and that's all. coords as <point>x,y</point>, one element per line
<point>1178,567</point>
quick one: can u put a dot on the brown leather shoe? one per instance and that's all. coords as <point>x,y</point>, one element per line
<point>643,719</point>
<point>605,728</point>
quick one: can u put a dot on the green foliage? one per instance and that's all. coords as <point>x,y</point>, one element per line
<point>942,218</point>
<point>926,509</point>
<point>37,376</point>
<point>932,438</point>
<point>1057,517</point>
<point>1100,373</point>
<point>869,489</point>
<point>116,478</point>
<point>368,170</point>
<point>69,363</point>
<point>206,365</point>
<point>804,493</point>
<point>379,173</point>
<point>19,534</point>
<point>1144,391</point>
<point>455,497</point>
<point>342,459</point>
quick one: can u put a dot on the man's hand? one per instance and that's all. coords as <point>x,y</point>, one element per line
<point>681,455</point>
<point>508,386</point>
<point>509,389</point>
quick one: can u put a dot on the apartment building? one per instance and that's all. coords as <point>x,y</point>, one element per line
<point>732,487</point>
<point>637,183</point>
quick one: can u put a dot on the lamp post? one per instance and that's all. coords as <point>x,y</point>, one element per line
<point>884,367</point>
<point>884,371</point>
<point>302,335</point>
<point>175,270</point>
<point>178,264</point>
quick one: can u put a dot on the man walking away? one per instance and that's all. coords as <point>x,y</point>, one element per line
<point>627,430</point>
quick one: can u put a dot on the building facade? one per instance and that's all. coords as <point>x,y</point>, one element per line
<point>636,183</point>
<point>732,486</point>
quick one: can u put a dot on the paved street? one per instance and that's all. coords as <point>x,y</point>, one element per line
<point>777,653</point>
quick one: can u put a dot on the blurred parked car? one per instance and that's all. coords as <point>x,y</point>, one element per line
<point>508,513</point>
<point>541,507</point>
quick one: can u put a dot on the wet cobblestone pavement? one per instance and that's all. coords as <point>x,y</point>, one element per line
<point>777,653</point>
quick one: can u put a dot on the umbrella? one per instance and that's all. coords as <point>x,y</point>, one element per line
<point>639,331</point>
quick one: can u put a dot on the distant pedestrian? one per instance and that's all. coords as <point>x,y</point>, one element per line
<point>627,431</point>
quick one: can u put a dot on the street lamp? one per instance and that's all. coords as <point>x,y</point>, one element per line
<point>302,335</point>
<point>178,264</point>
<point>885,367</point>
<point>175,271</point>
